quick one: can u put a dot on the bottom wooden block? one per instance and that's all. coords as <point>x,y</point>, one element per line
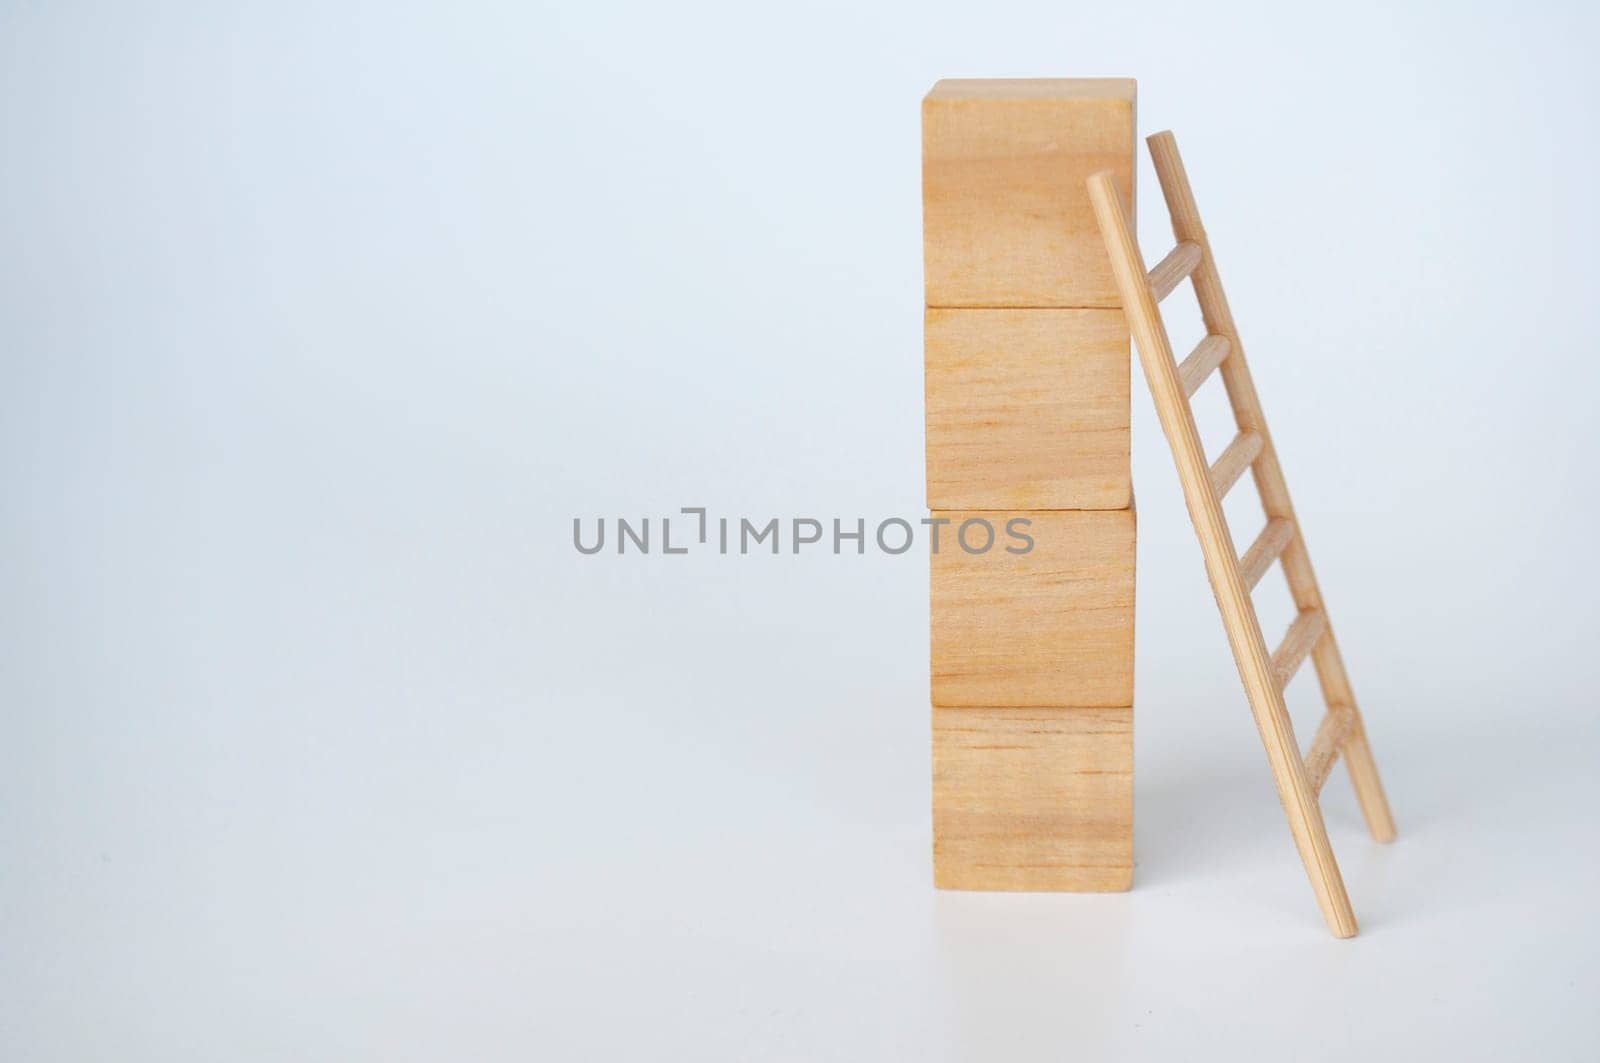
<point>1033,799</point>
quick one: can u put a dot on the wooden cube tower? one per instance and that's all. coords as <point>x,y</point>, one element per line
<point>1026,377</point>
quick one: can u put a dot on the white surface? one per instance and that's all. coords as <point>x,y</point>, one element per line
<point>319,326</point>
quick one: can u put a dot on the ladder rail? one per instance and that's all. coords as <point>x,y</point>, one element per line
<point>1270,482</point>
<point>1216,543</point>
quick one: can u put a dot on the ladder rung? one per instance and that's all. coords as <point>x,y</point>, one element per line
<point>1325,747</point>
<point>1265,550</point>
<point>1170,271</point>
<point>1303,634</point>
<point>1239,456</point>
<point>1206,356</point>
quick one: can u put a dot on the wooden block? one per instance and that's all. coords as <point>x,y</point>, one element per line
<point>1033,799</point>
<point>1052,626</point>
<point>1006,214</point>
<point>1026,409</point>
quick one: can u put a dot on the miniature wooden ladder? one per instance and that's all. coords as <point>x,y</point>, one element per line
<point>1265,674</point>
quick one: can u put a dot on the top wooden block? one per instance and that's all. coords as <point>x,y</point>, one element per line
<point>1006,214</point>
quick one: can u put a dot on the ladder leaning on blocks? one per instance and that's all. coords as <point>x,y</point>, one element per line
<point>1265,675</point>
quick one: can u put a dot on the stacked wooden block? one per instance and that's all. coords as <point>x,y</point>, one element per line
<point>1026,386</point>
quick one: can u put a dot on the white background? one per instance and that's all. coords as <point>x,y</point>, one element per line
<point>320,323</point>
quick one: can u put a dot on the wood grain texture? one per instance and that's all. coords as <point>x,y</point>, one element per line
<point>1051,627</point>
<point>1026,409</point>
<point>1033,799</point>
<point>1006,221</point>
